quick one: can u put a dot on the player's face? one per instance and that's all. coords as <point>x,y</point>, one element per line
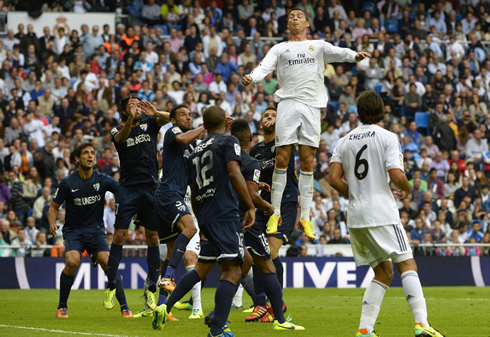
<point>297,22</point>
<point>183,119</point>
<point>137,115</point>
<point>87,158</point>
<point>268,121</point>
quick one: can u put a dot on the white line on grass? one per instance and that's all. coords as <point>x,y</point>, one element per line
<point>427,298</point>
<point>56,331</point>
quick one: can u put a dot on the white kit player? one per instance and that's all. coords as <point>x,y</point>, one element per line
<point>369,156</point>
<point>300,64</point>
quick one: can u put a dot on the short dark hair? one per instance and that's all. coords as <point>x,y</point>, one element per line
<point>173,112</point>
<point>297,9</point>
<point>80,148</point>
<point>213,117</point>
<point>240,129</point>
<point>123,105</point>
<point>370,107</point>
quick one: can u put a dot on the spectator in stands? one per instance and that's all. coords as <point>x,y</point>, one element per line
<point>21,244</point>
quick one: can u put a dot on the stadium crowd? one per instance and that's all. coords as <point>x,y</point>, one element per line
<point>430,64</point>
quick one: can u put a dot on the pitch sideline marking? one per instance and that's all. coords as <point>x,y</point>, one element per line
<point>56,331</point>
<point>427,298</point>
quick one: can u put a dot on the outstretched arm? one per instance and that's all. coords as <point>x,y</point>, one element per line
<point>188,137</point>
<point>268,65</point>
<point>334,54</point>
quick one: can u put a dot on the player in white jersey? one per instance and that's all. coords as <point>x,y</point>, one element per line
<point>300,64</point>
<point>369,156</point>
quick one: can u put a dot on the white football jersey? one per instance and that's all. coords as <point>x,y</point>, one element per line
<point>300,66</point>
<point>367,153</point>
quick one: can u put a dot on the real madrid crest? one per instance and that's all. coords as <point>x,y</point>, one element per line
<point>311,48</point>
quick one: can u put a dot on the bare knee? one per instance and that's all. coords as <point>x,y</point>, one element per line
<point>189,231</point>
<point>190,258</point>
<point>71,266</point>
<point>407,265</point>
<point>152,239</point>
<point>231,271</point>
<point>306,163</point>
<point>384,272</point>
<point>265,266</point>
<point>120,236</point>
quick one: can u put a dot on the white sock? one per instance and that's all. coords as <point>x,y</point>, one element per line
<point>195,292</point>
<point>415,297</point>
<point>237,300</point>
<point>306,191</point>
<point>371,303</point>
<point>279,180</point>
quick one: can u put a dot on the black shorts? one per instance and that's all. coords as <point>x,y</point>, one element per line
<point>136,199</point>
<point>224,242</point>
<point>257,243</point>
<point>93,241</point>
<point>289,212</point>
<point>169,211</point>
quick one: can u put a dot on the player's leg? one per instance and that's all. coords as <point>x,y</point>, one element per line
<point>103,258</point>
<point>153,260</point>
<point>190,261</point>
<point>279,180</point>
<point>72,260</point>
<point>246,283</point>
<point>306,186</point>
<point>275,244</point>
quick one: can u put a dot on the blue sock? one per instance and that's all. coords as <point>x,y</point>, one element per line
<point>185,285</point>
<point>66,281</point>
<point>248,284</point>
<point>121,297</point>
<point>279,270</point>
<point>153,260</point>
<point>115,257</point>
<point>274,293</point>
<point>178,251</point>
<point>164,268</point>
<point>222,305</point>
<point>259,287</point>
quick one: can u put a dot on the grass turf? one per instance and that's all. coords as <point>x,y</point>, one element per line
<point>455,311</point>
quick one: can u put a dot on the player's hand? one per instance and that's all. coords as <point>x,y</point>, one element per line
<point>248,220</point>
<point>228,121</point>
<point>148,108</point>
<point>267,124</point>
<point>264,187</point>
<point>362,55</point>
<point>132,108</point>
<point>400,194</point>
<point>247,80</point>
<point>53,229</point>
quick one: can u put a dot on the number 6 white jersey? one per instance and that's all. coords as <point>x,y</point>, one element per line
<point>367,153</point>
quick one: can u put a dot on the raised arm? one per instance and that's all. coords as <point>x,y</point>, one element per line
<point>334,54</point>
<point>188,137</point>
<point>150,110</point>
<point>122,135</point>
<point>268,65</point>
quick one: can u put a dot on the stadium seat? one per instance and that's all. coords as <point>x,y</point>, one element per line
<point>354,70</point>
<point>392,26</point>
<point>335,105</point>
<point>353,108</point>
<point>164,29</point>
<point>422,120</point>
<point>378,88</point>
<point>369,6</point>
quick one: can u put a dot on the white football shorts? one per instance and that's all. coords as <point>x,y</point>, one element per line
<point>373,245</point>
<point>297,123</point>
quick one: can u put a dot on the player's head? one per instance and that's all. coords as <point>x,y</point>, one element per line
<point>370,107</point>
<point>297,21</point>
<point>85,155</point>
<point>181,116</point>
<point>240,129</point>
<point>268,120</point>
<point>124,108</point>
<point>214,118</point>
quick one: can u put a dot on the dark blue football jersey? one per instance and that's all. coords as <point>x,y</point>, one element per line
<point>138,155</point>
<point>85,200</point>
<point>174,164</point>
<point>208,173</point>
<point>251,172</point>
<point>265,153</point>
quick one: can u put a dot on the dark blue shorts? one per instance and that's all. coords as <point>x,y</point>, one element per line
<point>224,242</point>
<point>257,243</point>
<point>136,199</point>
<point>92,241</point>
<point>169,210</point>
<point>289,213</point>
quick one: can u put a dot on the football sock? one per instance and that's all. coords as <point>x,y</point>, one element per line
<point>259,287</point>
<point>306,191</point>
<point>195,292</point>
<point>248,284</point>
<point>415,297</point>
<point>237,299</point>
<point>274,293</point>
<point>371,304</point>
<point>222,305</point>
<point>115,257</point>
<point>66,281</point>
<point>185,284</point>
<point>120,295</point>
<point>153,260</point>
<point>163,293</point>
<point>279,270</point>
<point>279,179</point>
<point>177,254</point>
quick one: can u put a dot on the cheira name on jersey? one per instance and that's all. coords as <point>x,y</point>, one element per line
<point>359,136</point>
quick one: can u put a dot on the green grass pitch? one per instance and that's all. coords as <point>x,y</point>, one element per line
<point>455,311</point>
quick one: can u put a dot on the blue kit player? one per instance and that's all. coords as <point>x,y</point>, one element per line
<point>136,144</point>
<point>265,153</point>
<point>216,183</point>
<point>83,194</point>
<point>255,239</point>
<point>176,226</point>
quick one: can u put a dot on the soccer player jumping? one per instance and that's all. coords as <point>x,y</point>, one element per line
<point>367,157</point>
<point>300,64</point>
